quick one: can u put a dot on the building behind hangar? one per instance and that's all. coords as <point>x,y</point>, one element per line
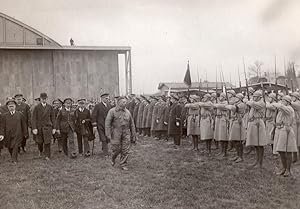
<point>31,63</point>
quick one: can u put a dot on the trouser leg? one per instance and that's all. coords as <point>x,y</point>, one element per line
<point>116,150</point>
<point>47,150</point>
<point>23,143</point>
<point>86,145</point>
<point>103,140</point>
<point>59,143</point>
<point>40,147</point>
<point>10,150</point>
<point>125,147</point>
<point>79,142</point>
<point>71,143</point>
<point>64,139</point>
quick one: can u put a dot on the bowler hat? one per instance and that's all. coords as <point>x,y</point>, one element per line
<point>104,94</point>
<point>68,99</point>
<point>43,96</point>
<point>11,100</point>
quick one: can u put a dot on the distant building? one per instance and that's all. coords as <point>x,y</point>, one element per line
<point>165,87</point>
<point>31,63</point>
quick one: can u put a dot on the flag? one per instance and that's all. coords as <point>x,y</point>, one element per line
<point>187,78</point>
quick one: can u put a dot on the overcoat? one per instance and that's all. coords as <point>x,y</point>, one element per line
<point>296,121</point>
<point>140,115</point>
<point>175,123</point>
<point>99,114</point>
<point>206,120</point>
<point>13,128</point>
<point>193,119</point>
<point>155,117</point>
<point>221,122</point>
<point>271,113</point>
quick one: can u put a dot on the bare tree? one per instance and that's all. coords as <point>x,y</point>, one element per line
<point>255,69</point>
<point>291,75</point>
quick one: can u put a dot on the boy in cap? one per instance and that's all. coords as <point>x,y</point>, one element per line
<point>13,129</point>
<point>25,110</point>
<point>98,120</point>
<point>43,121</point>
<point>65,126</point>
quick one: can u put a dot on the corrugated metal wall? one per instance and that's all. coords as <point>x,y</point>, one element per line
<point>60,73</point>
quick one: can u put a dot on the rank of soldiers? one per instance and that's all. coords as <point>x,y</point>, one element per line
<point>231,120</point>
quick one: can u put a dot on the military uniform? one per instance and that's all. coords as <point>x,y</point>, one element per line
<point>221,122</point>
<point>175,123</point>
<point>193,119</point>
<point>206,121</point>
<point>271,113</point>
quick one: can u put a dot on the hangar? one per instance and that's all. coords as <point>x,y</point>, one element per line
<point>31,63</point>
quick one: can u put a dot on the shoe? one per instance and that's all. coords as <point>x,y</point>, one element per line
<point>88,154</point>
<point>287,174</point>
<point>233,158</point>
<point>280,173</point>
<point>24,149</point>
<point>124,168</point>
<point>238,160</point>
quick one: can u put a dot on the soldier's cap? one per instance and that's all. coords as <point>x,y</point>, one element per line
<point>296,95</point>
<point>116,97</point>
<point>287,98</point>
<point>214,94</point>
<point>223,95</point>
<point>43,96</point>
<point>257,94</point>
<point>57,100</point>
<point>143,97</point>
<point>154,97</point>
<point>37,99</point>
<point>81,101</point>
<point>251,90</point>
<point>120,98</point>
<point>240,96</point>
<point>68,99</point>
<point>164,98</point>
<point>18,95</point>
<point>207,96</point>
<point>104,95</point>
<point>232,92</point>
<point>24,100</point>
<point>272,95</point>
<point>174,96</point>
<point>138,99</point>
<point>11,100</point>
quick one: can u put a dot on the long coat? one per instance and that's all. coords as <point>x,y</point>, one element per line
<point>149,115</point>
<point>99,114</point>
<point>256,131</point>
<point>13,128</point>
<point>237,128</point>
<point>135,112</point>
<point>139,120</point>
<point>193,119</point>
<point>175,123</point>
<point>284,140</point>
<point>206,121</point>
<point>145,114</point>
<point>43,120</point>
<point>271,113</point>
<point>65,120</point>
<point>155,117</point>
<point>221,132</point>
<point>296,121</point>
<point>25,110</point>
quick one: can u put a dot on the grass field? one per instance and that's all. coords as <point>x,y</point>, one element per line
<point>159,177</point>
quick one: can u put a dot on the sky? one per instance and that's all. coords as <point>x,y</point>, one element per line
<point>165,34</point>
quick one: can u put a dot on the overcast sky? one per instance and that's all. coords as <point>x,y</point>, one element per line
<point>165,34</point>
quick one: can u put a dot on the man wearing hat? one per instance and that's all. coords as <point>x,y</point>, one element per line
<point>43,121</point>
<point>285,141</point>
<point>98,120</point>
<point>120,130</point>
<point>296,123</point>
<point>237,131</point>
<point>25,110</point>
<point>256,131</point>
<point>83,127</point>
<point>65,126</point>
<point>13,129</point>
<point>57,106</point>
<point>175,123</point>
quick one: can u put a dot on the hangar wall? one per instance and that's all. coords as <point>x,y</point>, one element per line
<point>60,73</point>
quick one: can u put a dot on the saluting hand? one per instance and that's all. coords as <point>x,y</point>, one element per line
<point>1,138</point>
<point>35,131</point>
<point>53,131</point>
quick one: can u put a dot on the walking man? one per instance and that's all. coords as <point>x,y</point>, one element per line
<point>120,130</point>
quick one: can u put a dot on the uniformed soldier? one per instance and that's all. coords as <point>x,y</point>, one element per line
<point>146,130</point>
<point>256,131</point>
<point>193,121</point>
<point>206,121</point>
<point>285,141</point>
<point>120,129</point>
<point>237,130</point>
<point>295,96</point>
<point>222,123</point>
<point>139,120</point>
<point>271,113</point>
<point>155,119</point>
<point>175,123</point>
